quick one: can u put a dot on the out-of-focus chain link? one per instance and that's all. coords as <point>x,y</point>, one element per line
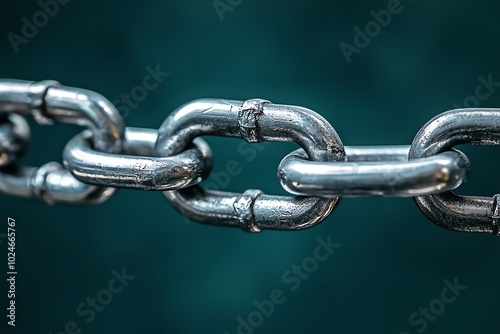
<point>174,160</point>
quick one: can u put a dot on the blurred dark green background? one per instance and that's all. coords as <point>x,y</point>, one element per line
<point>192,278</point>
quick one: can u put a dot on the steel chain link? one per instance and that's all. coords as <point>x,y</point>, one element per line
<point>174,160</point>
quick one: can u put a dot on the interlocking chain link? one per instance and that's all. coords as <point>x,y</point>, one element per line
<point>48,103</point>
<point>174,160</point>
<point>374,171</point>
<point>463,126</point>
<point>137,166</point>
<point>254,120</point>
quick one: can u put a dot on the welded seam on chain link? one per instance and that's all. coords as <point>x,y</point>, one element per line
<point>248,117</point>
<point>243,207</point>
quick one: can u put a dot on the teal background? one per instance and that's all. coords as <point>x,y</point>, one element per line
<point>193,278</point>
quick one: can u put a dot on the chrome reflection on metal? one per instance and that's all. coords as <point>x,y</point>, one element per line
<point>175,158</point>
<point>254,120</point>
<point>395,176</point>
<point>455,127</point>
<point>51,183</point>
<point>14,138</point>
<point>48,103</point>
<point>252,211</point>
<point>141,172</point>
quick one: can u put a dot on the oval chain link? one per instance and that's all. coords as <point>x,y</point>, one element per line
<point>361,176</point>
<point>49,103</point>
<point>456,127</point>
<point>109,156</point>
<point>254,120</point>
<point>138,167</point>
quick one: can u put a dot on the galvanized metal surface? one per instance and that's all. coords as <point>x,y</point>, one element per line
<point>174,160</point>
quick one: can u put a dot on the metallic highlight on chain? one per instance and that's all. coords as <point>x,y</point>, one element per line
<point>14,138</point>
<point>440,134</point>
<point>248,117</point>
<point>137,167</point>
<point>275,123</point>
<point>243,206</point>
<point>361,177</point>
<point>108,156</point>
<point>496,214</point>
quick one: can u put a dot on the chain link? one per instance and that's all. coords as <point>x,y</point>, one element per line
<point>174,160</point>
<point>255,121</point>
<point>360,176</point>
<point>49,103</point>
<point>142,171</point>
<point>456,127</point>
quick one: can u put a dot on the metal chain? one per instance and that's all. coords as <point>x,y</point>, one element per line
<point>174,160</point>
